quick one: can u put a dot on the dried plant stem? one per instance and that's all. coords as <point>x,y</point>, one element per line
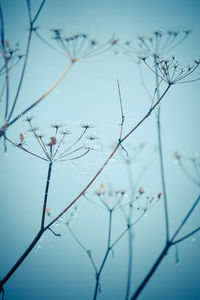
<point>98,274</point>
<point>111,155</point>
<point>22,75</point>
<point>130,233</point>
<point>31,23</point>
<point>83,247</point>
<point>46,195</point>
<point>130,263</point>
<point>161,154</point>
<point>37,237</point>
<point>8,124</point>
<point>163,253</point>
<point>21,259</point>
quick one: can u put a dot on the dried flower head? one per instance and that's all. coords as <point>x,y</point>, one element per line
<point>170,71</point>
<point>87,125</point>
<point>53,147</point>
<point>79,46</point>
<point>157,43</point>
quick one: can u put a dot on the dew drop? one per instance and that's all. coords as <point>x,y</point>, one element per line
<point>193,240</point>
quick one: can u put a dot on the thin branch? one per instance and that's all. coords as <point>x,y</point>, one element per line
<point>46,195</point>
<point>110,156</point>
<point>161,155</point>
<point>83,247</point>
<point>24,149</point>
<point>8,124</point>
<point>185,219</point>
<point>186,236</point>
<point>163,253</point>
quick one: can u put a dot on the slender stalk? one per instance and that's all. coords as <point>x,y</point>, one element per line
<point>148,114</point>
<point>8,124</point>
<point>46,195</point>
<point>130,263</point>
<point>130,234</point>
<point>21,259</point>
<point>170,243</point>
<point>98,274</point>
<point>14,268</point>
<point>111,155</point>
<point>22,74</point>
<point>186,236</point>
<point>31,23</point>
<point>35,240</point>
<point>151,272</point>
<point>161,154</point>
<point>83,247</point>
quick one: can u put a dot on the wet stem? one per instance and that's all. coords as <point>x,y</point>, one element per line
<point>37,237</point>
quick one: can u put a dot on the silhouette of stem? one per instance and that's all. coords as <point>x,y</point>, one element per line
<point>35,240</point>
<point>8,124</point>
<point>163,253</point>
<point>31,23</point>
<point>161,154</point>
<point>98,274</point>
<point>46,195</point>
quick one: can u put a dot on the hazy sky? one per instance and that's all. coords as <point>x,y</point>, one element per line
<point>58,268</point>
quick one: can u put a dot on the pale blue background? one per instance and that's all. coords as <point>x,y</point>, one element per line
<point>60,270</point>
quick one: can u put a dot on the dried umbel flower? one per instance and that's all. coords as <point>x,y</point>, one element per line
<point>110,198</point>
<point>157,43</point>
<point>53,149</point>
<point>170,71</point>
<point>80,46</point>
